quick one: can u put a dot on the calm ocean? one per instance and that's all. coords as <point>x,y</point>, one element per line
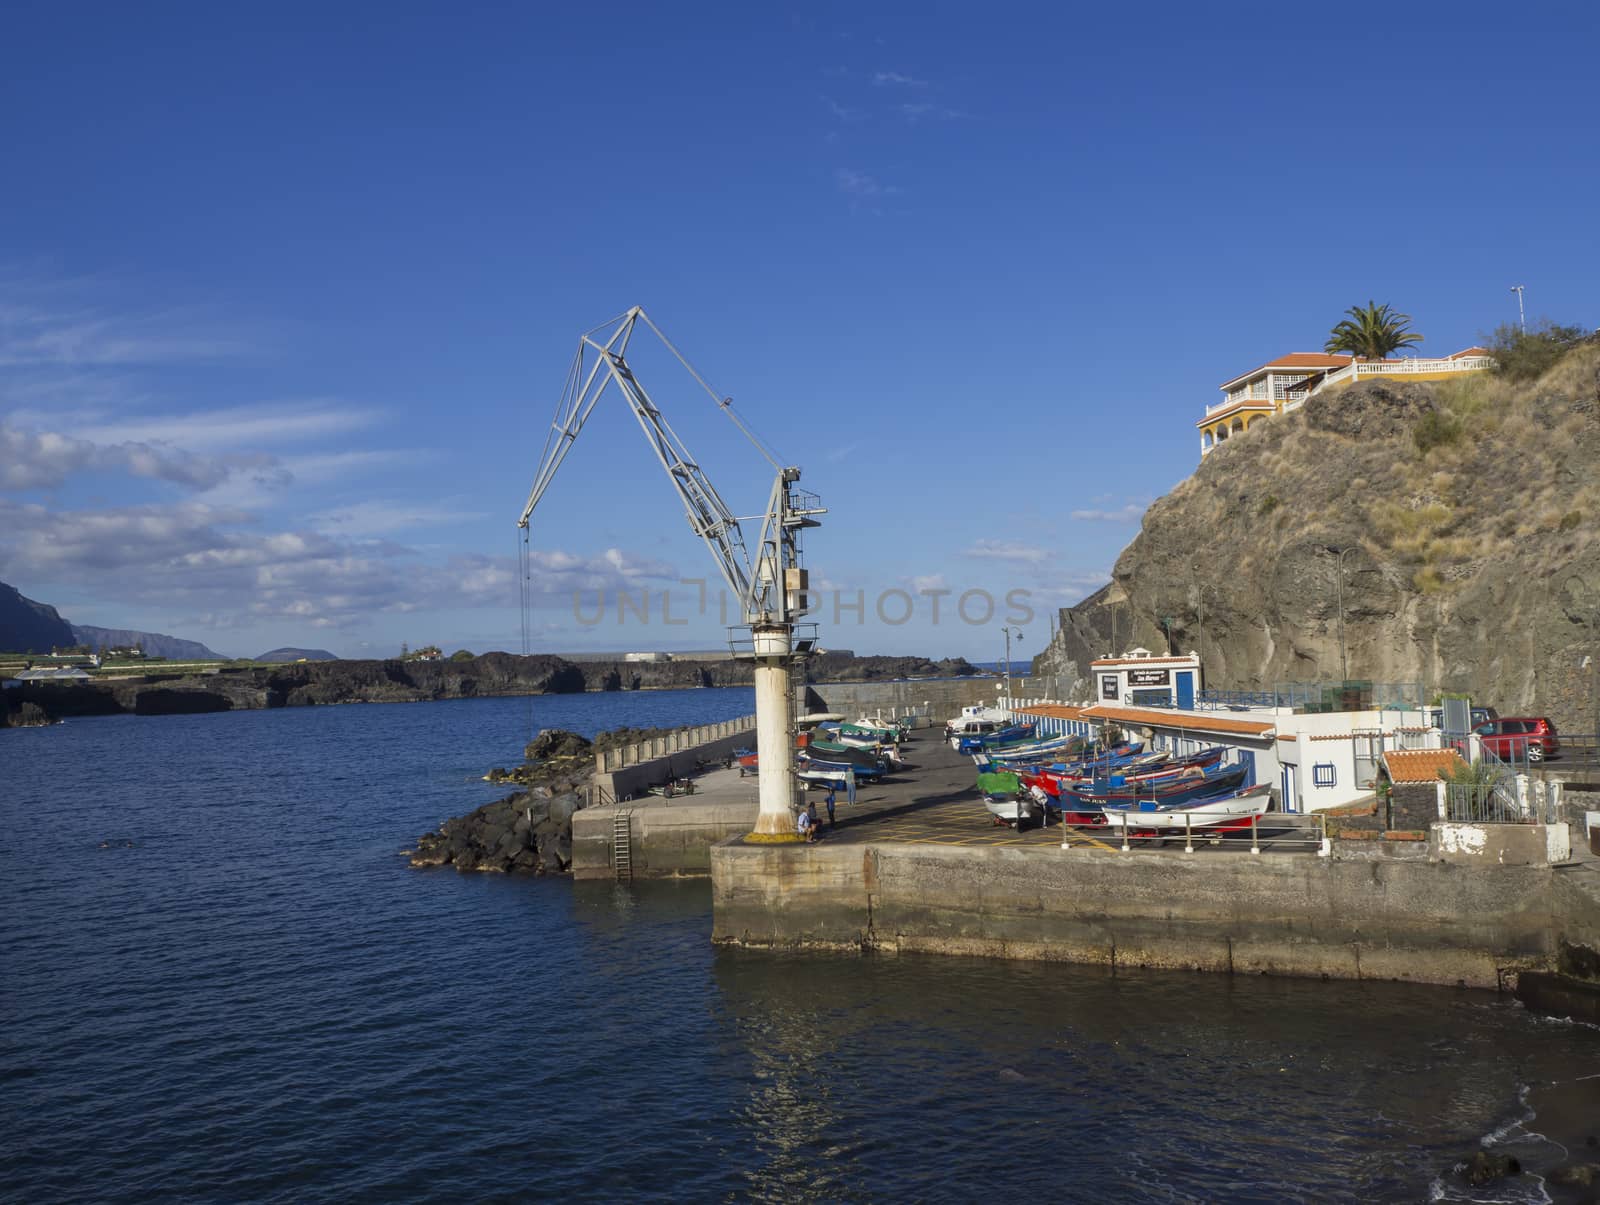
<point>249,996</point>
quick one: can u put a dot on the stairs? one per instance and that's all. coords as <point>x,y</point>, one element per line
<point>622,845</point>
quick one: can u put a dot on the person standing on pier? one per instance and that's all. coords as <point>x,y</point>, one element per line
<point>831,789</point>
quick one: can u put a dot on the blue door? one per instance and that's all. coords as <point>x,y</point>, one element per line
<point>1186,691</point>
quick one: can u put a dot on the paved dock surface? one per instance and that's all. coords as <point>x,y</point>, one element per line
<point>935,801</point>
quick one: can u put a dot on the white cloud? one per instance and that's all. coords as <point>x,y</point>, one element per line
<point>267,423</point>
<point>925,109</point>
<point>898,80</point>
<point>1131,513</point>
<point>859,184</point>
<point>1007,550</point>
<point>364,519</point>
<point>50,323</point>
<point>215,563</point>
<point>45,459</point>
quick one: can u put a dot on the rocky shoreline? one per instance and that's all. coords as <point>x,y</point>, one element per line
<point>323,683</point>
<point>528,831</point>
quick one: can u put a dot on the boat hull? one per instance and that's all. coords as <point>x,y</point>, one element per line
<point>1229,811</point>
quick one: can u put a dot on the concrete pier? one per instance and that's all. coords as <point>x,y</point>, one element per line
<point>919,868</point>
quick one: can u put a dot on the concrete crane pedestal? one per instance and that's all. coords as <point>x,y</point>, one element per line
<point>775,746</point>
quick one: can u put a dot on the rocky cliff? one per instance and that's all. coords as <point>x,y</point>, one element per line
<point>1459,521</point>
<point>155,644</point>
<point>28,626</point>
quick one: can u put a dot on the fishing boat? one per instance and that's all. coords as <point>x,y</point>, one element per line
<point>1212,813</point>
<point>814,718</point>
<point>1107,794</point>
<point>1015,735</point>
<point>864,773</point>
<point>1005,799</point>
<point>854,754</point>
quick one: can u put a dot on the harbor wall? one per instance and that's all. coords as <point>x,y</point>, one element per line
<point>668,838</point>
<point>1283,914</point>
<point>937,698</point>
<point>622,782</point>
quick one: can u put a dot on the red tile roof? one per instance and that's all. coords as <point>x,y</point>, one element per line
<point>1143,661</point>
<point>1421,765</point>
<point>1053,711</point>
<point>1184,720</point>
<point>1295,359</point>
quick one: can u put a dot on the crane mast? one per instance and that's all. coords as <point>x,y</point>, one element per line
<point>771,587</point>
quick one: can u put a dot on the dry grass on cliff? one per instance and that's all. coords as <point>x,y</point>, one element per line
<point>1500,468</point>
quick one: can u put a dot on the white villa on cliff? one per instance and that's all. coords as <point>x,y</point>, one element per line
<point>1281,385</point>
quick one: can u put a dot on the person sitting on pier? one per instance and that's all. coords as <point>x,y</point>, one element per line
<point>813,828</point>
<point>802,824</point>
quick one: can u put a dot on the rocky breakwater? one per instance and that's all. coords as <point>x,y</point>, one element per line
<point>528,831</point>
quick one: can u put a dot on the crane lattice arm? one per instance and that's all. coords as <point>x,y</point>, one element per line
<point>760,586</point>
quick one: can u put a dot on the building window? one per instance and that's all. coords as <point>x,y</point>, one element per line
<point>1323,775</point>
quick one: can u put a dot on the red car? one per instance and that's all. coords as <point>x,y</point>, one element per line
<point>1519,738</point>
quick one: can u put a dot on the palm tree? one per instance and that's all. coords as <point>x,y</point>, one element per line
<point>1371,332</point>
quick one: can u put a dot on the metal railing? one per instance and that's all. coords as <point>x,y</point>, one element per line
<point>1320,696</point>
<point>1276,832</point>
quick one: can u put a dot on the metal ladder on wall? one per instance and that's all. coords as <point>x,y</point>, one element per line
<point>622,845</point>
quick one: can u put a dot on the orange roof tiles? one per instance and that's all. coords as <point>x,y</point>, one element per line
<point>1295,359</point>
<point>1184,720</point>
<point>1053,711</point>
<point>1421,765</point>
<point>1143,661</point>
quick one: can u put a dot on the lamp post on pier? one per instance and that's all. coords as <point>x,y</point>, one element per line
<point>1009,633</point>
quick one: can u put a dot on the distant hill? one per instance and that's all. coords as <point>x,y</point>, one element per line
<point>154,643</point>
<point>281,655</point>
<point>28,626</point>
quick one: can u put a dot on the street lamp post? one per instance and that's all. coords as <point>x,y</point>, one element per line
<point>1344,661</point>
<point>1010,632</point>
<point>1522,317</point>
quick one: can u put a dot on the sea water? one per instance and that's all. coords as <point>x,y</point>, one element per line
<point>220,981</point>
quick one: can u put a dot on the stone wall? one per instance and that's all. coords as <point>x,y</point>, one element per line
<point>1285,914</point>
<point>939,699</point>
<point>668,838</point>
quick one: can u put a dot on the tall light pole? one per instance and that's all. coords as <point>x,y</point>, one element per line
<point>1522,317</point>
<point>1344,661</point>
<point>1010,632</point>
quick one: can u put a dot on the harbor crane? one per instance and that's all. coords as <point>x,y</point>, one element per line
<point>770,586</point>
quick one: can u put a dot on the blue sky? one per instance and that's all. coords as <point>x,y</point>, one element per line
<point>287,294</point>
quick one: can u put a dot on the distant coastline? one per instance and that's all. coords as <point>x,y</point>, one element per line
<point>324,683</point>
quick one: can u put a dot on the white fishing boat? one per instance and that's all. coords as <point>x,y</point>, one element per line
<point>1234,810</point>
<point>1012,811</point>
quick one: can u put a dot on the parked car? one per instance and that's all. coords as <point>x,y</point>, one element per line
<point>1518,738</point>
<point>1480,715</point>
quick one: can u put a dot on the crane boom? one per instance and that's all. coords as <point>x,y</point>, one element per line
<point>771,588</point>
<point>598,364</point>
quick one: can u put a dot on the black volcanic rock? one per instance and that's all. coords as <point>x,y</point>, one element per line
<point>30,627</point>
